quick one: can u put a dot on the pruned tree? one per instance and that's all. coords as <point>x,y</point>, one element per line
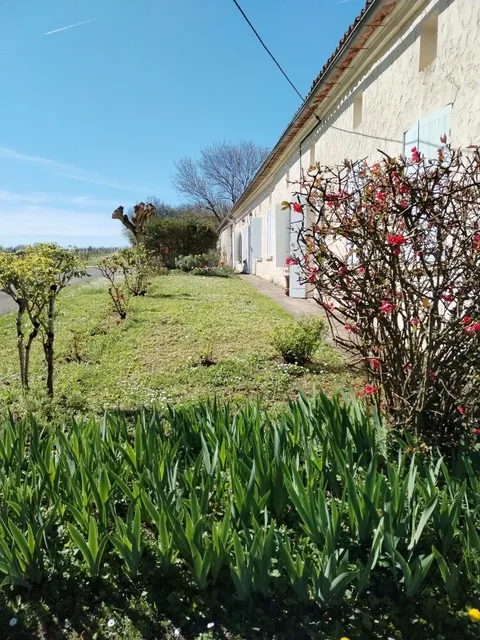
<point>33,277</point>
<point>135,224</point>
<point>217,180</point>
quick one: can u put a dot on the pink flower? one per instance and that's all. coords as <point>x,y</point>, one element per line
<point>461,410</point>
<point>414,322</point>
<point>448,298</point>
<point>375,363</point>
<point>432,375</point>
<point>361,269</point>
<point>387,307</point>
<point>396,252</point>
<point>350,327</point>
<point>477,432</point>
<point>370,390</point>
<point>467,320</point>
<point>415,155</point>
<point>312,277</point>
<point>297,208</point>
<point>342,271</point>
<point>476,242</point>
<point>380,196</point>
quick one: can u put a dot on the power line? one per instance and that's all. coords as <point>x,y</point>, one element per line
<point>268,51</point>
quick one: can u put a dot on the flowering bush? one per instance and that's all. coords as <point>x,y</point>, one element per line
<point>394,254</point>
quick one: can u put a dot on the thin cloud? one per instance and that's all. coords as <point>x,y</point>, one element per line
<point>70,171</point>
<point>70,26</point>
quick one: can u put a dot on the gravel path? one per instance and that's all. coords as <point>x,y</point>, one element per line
<point>7,304</point>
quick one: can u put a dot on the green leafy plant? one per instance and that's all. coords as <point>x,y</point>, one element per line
<point>297,341</point>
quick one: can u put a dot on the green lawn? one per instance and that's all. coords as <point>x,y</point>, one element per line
<point>152,357</point>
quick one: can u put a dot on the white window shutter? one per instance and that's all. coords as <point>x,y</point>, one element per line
<point>256,231</point>
<point>282,235</point>
<point>270,222</point>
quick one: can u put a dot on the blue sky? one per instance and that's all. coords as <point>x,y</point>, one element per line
<point>95,116</point>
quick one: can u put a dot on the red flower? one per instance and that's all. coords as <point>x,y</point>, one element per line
<point>342,271</point>
<point>461,410</point>
<point>477,431</point>
<point>396,252</point>
<point>387,307</point>
<point>375,362</point>
<point>473,328</point>
<point>297,208</point>
<point>350,327</point>
<point>467,320</point>
<point>290,261</point>
<point>415,155</point>
<point>448,298</point>
<point>380,196</point>
<point>414,322</point>
<point>361,270</point>
<point>312,277</point>
<point>476,242</point>
<point>396,240</point>
<point>432,375</point>
<point>370,390</point>
<point>443,139</point>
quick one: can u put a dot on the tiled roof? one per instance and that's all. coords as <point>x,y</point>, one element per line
<point>345,37</point>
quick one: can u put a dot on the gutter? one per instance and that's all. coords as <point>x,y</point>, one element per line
<point>330,66</point>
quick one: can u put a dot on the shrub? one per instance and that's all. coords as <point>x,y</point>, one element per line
<point>173,237</point>
<point>112,268</point>
<point>199,261</point>
<point>218,272</point>
<point>297,341</point>
<point>394,254</point>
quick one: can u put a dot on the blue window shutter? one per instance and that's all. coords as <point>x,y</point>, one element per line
<point>432,128</point>
<point>410,139</point>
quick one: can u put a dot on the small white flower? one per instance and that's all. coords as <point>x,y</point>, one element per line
<point>111,623</point>
<point>176,632</point>
<point>12,622</point>
<point>210,625</point>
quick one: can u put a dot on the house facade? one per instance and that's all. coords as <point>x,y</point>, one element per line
<point>405,73</point>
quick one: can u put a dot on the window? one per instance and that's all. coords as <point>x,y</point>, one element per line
<point>270,222</point>
<point>426,133</point>
<point>357,110</point>
<point>428,41</point>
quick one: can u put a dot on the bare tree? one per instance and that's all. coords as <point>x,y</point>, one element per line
<point>217,180</point>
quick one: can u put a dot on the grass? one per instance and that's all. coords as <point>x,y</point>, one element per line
<point>152,358</point>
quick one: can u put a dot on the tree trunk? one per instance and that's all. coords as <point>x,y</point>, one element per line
<point>20,343</point>
<point>49,339</point>
<point>31,337</point>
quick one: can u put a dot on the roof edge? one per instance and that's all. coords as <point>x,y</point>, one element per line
<point>319,81</point>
